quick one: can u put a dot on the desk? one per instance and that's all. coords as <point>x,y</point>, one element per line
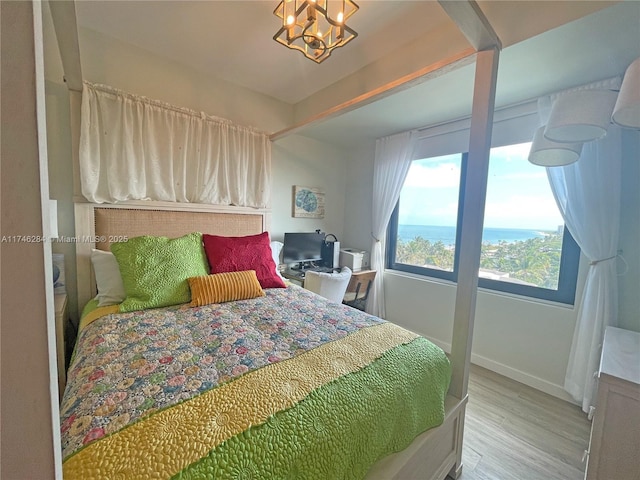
<point>358,289</point>
<point>296,276</point>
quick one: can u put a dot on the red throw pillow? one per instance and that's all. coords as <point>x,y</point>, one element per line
<point>236,254</point>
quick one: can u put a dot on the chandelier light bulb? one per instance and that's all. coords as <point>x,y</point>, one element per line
<point>290,20</point>
<point>340,18</point>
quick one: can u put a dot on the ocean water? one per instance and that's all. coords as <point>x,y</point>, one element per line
<point>447,235</point>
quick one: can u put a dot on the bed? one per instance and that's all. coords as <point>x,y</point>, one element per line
<point>283,384</point>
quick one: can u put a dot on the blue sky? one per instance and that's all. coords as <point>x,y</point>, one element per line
<point>518,193</point>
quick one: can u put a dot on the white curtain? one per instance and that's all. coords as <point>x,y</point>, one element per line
<point>134,148</point>
<point>588,195</point>
<point>392,161</point>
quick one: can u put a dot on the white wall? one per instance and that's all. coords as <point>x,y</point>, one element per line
<point>358,197</point>
<point>629,280</point>
<point>299,160</point>
<point>525,340</point>
<point>135,70</point>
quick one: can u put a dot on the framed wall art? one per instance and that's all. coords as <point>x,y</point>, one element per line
<point>308,202</point>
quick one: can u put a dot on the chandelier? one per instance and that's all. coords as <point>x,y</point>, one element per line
<point>315,27</point>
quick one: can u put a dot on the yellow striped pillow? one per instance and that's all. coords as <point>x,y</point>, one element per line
<point>224,287</point>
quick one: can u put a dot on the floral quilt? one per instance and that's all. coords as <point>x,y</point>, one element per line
<point>193,392</point>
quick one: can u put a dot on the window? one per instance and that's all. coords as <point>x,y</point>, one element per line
<point>525,248</point>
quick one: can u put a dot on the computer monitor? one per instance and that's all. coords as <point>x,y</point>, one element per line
<point>302,248</point>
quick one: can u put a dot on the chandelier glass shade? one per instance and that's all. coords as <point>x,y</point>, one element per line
<point>315,27</point>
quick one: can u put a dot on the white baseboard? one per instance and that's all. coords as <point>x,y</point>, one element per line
<point>532,381</point>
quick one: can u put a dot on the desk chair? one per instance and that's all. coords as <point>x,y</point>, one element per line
<point>328,285</point>
<point>358,290</point>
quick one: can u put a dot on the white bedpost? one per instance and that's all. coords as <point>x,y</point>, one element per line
<point>472,218</point>
<point>85,232</point>
<point>479,32</point>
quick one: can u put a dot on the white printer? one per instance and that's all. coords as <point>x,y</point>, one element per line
<point>354,259</point>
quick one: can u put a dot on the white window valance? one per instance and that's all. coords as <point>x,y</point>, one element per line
<point>134,148</point>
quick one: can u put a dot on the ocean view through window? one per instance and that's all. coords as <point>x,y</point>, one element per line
<point>447,235</point>
<point>525,248</point>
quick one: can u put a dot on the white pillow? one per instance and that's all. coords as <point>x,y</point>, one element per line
<point>276,247</point>
<point>108,278</point>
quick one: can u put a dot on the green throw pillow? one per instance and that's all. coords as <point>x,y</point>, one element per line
<point>155,269</point>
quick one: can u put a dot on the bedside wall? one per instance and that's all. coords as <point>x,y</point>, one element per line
<point>299,160</point>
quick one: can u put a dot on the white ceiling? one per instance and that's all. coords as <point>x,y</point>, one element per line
<point>232,40</point>
<point>593,48</point>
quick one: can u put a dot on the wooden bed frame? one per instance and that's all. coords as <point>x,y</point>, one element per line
<point>432,456</point>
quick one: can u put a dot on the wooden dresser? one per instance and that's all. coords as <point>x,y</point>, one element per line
<point>614,448</point>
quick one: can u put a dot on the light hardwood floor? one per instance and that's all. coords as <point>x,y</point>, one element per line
<point>514,432</point>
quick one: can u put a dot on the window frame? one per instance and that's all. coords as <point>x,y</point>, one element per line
<point>569,260</point>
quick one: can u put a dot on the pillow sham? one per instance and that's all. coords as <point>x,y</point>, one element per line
<point>224,287</point>
<point>276,248</point>
<point>155,269</point>
<point>235,254</point>
<point>108,278</point>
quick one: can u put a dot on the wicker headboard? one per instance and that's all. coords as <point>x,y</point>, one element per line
<point>97,225</point>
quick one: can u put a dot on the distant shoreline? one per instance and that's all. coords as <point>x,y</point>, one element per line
<point>447,235</point>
